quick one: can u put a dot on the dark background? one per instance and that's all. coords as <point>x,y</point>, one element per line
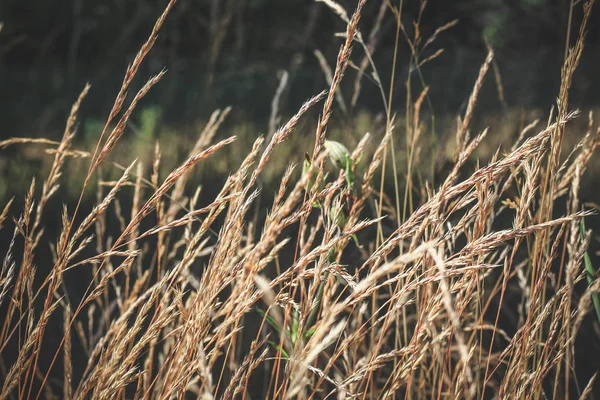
<point>228,52</point>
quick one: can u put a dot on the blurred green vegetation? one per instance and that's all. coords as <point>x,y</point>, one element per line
<point>20,163</point>
<point>229,52</point>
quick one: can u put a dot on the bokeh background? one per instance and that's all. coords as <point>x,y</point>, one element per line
<point>221,53</point>
<point>228,52</point>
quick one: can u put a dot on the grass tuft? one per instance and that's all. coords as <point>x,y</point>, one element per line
<point>468,288</point>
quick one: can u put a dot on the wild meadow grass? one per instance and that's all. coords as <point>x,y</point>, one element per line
<point>473,281</point>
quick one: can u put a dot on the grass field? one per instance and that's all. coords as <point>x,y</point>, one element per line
<point>422,260</point>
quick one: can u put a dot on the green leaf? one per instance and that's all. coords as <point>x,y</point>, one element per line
<point>331,256</point>
<point>338,153</point>
<point>294,327</point>
<point>350,178</point>
<point>359,158</point>
<point>312,317</point>
<point>309,333</point>
<point>355,239</point>
<point>269,319</point>
<point>337,215</point>
<point>591,273</point>
<point>277,347</point>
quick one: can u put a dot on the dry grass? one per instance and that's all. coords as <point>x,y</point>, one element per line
<point>197,298</point>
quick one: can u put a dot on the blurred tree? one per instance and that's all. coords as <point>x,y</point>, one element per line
<point>228,51</point>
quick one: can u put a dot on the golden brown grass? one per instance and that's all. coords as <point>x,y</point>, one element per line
<point>193,297</point>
